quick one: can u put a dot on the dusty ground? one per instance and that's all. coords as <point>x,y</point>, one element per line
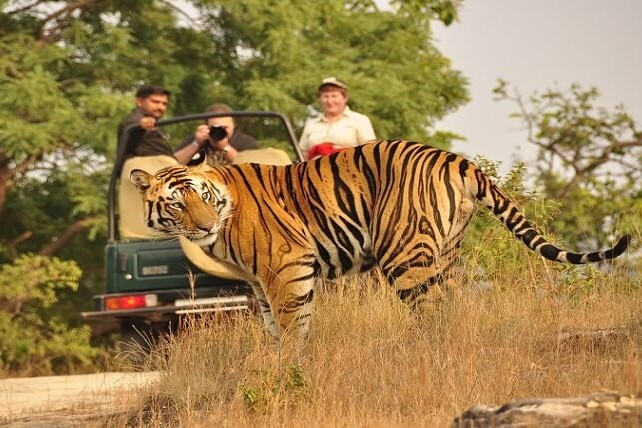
<point>65,401</point>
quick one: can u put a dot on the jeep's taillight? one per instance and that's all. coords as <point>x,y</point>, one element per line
<point>134,301</point>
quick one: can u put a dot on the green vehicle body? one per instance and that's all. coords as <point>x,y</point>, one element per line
<point>160,267</point>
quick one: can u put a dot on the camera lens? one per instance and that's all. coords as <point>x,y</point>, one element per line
<point>217,133</point>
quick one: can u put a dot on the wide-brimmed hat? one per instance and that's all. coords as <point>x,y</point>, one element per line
<point>333,81</point>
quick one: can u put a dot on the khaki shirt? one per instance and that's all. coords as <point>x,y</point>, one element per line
<point>351,130</point>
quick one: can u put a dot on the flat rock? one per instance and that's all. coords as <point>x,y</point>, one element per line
<point>602,409</point>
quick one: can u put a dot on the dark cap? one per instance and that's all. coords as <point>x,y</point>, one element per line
<point>333,81</point>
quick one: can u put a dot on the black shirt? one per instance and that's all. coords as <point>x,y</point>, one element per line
<point>239,140</point>
<point>141,142</point>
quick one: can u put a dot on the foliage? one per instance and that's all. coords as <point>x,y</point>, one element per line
<point>33,339</point>
<point>275,55</point>
<point>270,386</point>
<point>588,158</point>
<point>498,246</point>
<point>69,69</point>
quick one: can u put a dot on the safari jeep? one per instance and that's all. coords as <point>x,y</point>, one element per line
<point>151,282</point>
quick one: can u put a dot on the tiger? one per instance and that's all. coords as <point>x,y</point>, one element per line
<point>397,205</point>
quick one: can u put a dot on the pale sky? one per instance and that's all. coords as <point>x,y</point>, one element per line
<point>535,45</point>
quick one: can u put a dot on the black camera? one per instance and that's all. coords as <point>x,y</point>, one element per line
<point>218,133</point>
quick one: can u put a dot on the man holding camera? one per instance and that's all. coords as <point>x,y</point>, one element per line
<point>219,137</point>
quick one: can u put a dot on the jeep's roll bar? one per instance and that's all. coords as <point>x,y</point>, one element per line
<point>114,234</point>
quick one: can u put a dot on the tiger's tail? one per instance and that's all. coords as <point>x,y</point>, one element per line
<point>512,217</point>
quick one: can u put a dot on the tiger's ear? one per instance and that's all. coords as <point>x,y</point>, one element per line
<point>140,179</point>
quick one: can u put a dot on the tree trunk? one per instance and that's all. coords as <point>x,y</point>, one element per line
<point>5,176</point>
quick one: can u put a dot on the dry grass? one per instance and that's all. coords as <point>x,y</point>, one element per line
<point>371,362</point>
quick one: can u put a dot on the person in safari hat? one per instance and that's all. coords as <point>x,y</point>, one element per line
<point>337,127</point>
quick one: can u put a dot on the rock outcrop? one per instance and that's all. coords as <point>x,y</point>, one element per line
<point>603,409</point>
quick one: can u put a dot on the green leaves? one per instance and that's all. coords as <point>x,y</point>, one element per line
<point>69,70</point>
<point>33,339</point>
<point>267,388</point>
<point>589,157</point>
<point>32,278</point>
<point>277,54</point>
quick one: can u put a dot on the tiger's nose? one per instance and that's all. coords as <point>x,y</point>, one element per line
<point>205,226</point>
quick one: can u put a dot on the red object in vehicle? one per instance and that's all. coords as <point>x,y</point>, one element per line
<point>323,149</point>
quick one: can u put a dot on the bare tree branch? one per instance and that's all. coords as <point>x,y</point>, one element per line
<point>5,177</point>
<point>552,121</point>
<point>552,149</point>
<point>66,11</point>
<point>603,158</point>
<point>530,129</point>
<point>70,233</point>
<point>11,245</point>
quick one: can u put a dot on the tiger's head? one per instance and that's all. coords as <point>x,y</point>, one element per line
<point>182,201</point>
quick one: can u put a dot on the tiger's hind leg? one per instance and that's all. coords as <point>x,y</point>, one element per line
<point>424,281</point>
<point>415,280</point>
<point>420,293</point>
<point>447,284</point>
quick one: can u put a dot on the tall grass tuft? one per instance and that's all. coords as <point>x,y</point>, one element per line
<point>371,361</point>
